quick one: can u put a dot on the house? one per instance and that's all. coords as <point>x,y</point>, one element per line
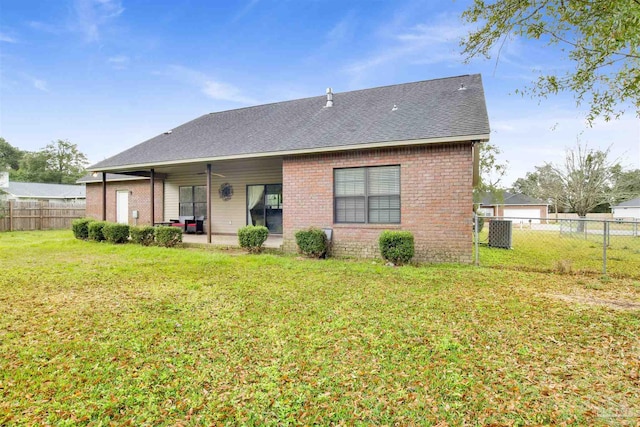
<point>627,210</point>
<point>514,206</point>
<point>358,162</point>
<point>127,198</point>
<point>35,191</point>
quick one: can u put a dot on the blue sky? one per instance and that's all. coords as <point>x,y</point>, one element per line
<point>109,74</point>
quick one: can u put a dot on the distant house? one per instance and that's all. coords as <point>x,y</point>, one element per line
<point>629,209</point>
<point>35,191</point>
<point>400,157</point>
<point>515,206</point>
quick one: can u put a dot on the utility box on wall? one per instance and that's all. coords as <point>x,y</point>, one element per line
<point>500,234</point>
<point>135,214</point>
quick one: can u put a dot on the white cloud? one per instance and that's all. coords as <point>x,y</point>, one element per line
<point>246,9</point>
<point>44,27</point>
<point>209,86</point>
<point>7,39</point>
<point>119,62</point>
<point>92,15</point>
<point>532,138</point>
<point>435,42</point>
<point>40,85</point>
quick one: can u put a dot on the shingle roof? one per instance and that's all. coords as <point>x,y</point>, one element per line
<point>633,203</point>
<point>38,190</point>
<point>429,110</point>
<point>512,199</point>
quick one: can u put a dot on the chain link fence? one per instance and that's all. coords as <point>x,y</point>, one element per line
<point>605,247</point>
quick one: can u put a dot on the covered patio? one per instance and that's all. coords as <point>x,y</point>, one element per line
<point>273,241</point>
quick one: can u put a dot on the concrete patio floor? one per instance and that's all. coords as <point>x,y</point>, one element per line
<point>273,241</point>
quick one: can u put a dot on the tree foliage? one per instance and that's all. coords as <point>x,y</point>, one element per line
<point>626,184</point>
<point>10,156</point>
<point>59,162</point>
<point>600,37</point>
<point>586,180</point>
<point>491,170</point>
<point>543,184</point>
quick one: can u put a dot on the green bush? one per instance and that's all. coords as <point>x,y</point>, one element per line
<point>312,242</point>
<point>80,228</point>
<point>252,237</point>
<point>168,236</point>
<point>115,233</point>
<point>142,235</point>
<point>397,246</point>
<point>95,230</point>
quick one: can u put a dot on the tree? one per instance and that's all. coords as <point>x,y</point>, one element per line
<point>10,156</point>
<point>600,37</point>
<point>586,178</point>
<point>59,162</point>
<point>544,184</point>
<point>626,184</point>
<point>491,172</point>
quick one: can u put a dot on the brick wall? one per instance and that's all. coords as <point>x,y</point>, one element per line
<point>138,200</point>
<point>436,200</point>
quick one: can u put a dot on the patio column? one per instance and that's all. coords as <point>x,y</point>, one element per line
<point>209,203</point>
<point>152,196</point>
<point>104,196</point>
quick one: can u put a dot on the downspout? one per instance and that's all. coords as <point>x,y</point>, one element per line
<point>209,203</point>
<point>152,196</point>
<point>104,196</point>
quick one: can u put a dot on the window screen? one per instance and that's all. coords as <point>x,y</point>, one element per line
<point>193,201</point>
<point>367,195</point>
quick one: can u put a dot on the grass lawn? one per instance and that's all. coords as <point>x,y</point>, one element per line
<point>100,334</point>
<point>552,251</point>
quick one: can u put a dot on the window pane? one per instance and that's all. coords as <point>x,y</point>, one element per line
<point>200,194</point>
<point>384,209</point>
<point>350,209</point>
<point>200,209</point>
<point>384,180</point>
<point>349,182</point>
<point>186,209</point>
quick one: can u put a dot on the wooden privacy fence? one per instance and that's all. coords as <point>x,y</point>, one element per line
<point>39,215</point>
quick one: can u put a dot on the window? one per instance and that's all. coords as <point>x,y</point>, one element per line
<point>193,200</point>
<point>264,206</point>
<point>367,195</point>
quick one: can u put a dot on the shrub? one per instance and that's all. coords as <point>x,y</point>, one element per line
<point>80,228</point>
<point>252,237</point>
<point>95,230</point>
<point>115,233</point>
<point>142,235</point>
<point>168,236</point>
<point>397,246</point>
<point>312,242</point>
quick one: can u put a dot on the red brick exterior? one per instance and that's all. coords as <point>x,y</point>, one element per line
<point>139,200</point>
<point>436,200</point>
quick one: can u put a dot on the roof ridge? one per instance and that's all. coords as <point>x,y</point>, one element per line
<point>335,93</point>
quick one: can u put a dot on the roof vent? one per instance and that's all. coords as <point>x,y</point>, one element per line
<point>329,98</point>
<point>462,87</point>
<point>394,108</point>
<point>169,132</point>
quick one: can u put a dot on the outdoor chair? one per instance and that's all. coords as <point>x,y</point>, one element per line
<point>181,221</point>
<point>195,225</point>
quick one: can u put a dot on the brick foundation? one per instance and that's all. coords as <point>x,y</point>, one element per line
<point>436,200</point>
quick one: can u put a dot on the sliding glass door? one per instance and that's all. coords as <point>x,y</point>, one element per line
<point>264,206</point>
